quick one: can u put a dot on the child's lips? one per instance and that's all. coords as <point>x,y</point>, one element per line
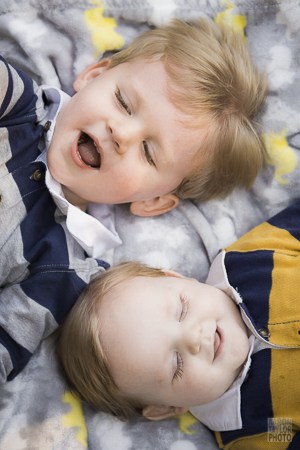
<point>88,151</point>
<point>218,341</point>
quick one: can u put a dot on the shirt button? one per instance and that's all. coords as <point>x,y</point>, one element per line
<point>264,333</point>
<point>38,175</point>
<point>47,126</point>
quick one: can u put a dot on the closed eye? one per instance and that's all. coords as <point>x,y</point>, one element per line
<point>179,369</point>
<point>122,102</point>
<point>184,307</point>
<point>179,361</point>
<point>148,154</point>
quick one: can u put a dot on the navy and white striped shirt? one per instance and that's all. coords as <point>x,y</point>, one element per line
<point>43,268</point>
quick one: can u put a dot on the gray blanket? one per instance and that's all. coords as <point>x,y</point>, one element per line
<point>53,40</point>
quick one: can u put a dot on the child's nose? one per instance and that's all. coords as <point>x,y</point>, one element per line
<point>116,138</point>
<point>194,348</point>
<point>125,136</point>
<point>192,340</point>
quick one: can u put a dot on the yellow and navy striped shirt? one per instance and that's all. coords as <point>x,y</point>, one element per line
<point>264,268</point>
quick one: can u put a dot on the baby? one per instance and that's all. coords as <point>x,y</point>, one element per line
<point>147,340</point>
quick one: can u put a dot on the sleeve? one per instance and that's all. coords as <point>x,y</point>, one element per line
<point>17,94</point>
<point>31,310</point>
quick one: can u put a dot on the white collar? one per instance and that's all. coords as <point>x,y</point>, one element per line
<point>224,413</point>
<point>95,232</point>
<point>217,277</point>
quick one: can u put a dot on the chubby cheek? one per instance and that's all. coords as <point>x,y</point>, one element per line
<point>129,183</point>
<point>194,385</point>
<point>55,165</point>
<point>237,350</point>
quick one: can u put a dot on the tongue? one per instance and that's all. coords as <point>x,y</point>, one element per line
<point>89,154</point>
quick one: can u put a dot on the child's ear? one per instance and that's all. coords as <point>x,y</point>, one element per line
<point>162,412</point>
<point>89,73</point>
<point>155,206</point>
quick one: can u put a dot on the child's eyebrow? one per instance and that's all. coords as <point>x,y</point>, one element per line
<point>132,92</point>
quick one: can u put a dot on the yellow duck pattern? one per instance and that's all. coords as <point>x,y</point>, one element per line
<point>237,22</point>
<point>102,29</point>
<point>186,423</point>
<point>282,155</point>
<point>75,418</point>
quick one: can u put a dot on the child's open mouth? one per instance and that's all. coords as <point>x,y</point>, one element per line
<point>88,151</point>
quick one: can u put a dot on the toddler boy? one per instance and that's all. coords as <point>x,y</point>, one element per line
<point>148,340</point>
<point>157,122</point>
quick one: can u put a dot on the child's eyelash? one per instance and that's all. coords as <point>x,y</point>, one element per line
<point>185,307</point>
<point>148,154</point>
<point>179,370</point>
<point>122,102</point>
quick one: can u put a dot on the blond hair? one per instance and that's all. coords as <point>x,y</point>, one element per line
<point>79,348</point>
<point>217,83</point>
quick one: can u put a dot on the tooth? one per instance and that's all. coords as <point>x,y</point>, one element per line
<point>96,146</point>
<point>82,139</point>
